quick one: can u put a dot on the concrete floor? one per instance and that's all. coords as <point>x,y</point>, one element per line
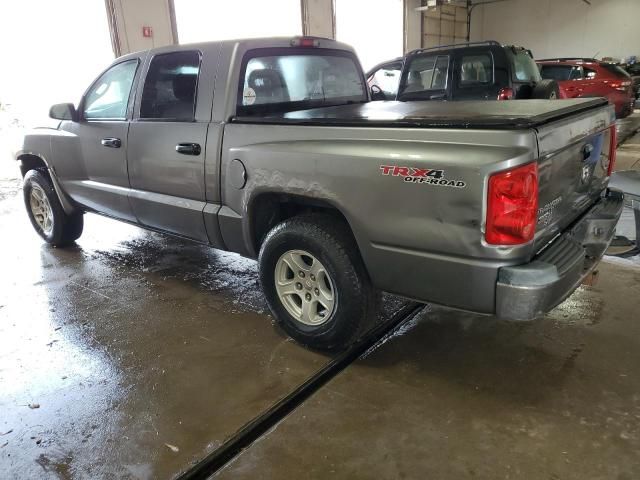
<point>459,396</point>
<point>129,343</point>
<point>134,355</point>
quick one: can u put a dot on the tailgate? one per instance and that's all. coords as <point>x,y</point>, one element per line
<point>573,168</point>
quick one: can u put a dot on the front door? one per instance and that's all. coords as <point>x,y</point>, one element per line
<point>98,144</point>
<point>167,147</point>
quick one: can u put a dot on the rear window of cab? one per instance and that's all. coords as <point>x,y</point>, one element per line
<point>288,79</point>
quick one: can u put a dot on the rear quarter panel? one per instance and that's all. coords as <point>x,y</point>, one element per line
<point>418,239</point>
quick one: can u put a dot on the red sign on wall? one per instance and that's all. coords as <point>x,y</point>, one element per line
<point>147,32</point>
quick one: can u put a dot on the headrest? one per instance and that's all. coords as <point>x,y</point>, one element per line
<point>184,87</point>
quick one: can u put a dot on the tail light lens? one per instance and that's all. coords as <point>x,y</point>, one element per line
<point>506,94</point>
<point>613,140</point>
<point>512,206</point>
<point>622,86</point>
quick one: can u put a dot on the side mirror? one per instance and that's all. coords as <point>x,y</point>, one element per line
<point>377,93</point>
<point>63,111</point>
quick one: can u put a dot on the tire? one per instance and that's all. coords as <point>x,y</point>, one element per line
<point>46,213</point>
<point>626,111</point>
<point>326,240</point>
<point>546,89</point>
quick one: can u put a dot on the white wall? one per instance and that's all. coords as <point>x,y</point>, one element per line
<point>49,55</point>
<point>201,21</point>
<point>558,28</point>
<point>373,27</point>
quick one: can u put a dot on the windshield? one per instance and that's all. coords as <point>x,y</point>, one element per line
<point>296,81</point>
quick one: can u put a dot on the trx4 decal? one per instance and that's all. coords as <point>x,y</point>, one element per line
<point>421,175</point>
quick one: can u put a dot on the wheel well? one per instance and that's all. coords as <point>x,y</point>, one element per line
<point>31,162</point>
<point>269,209</point>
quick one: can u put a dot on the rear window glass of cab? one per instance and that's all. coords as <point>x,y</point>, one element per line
<point>288,79</point>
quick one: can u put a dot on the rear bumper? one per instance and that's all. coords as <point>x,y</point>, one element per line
<point>525,292</point>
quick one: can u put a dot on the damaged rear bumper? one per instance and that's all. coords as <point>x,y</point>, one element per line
<point>525,292</point>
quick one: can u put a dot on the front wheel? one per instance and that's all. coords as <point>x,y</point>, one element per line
<point>315,282</point>
<point>46,213</point>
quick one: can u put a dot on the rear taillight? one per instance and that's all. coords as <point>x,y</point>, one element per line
<point>512,206</point>
<point>613,140</point>
<point>506,94</point>
<point>622,86</point>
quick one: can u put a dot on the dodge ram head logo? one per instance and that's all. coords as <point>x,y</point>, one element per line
<point>421,175</point>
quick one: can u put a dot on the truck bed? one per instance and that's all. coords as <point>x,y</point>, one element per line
<point>514,114</point>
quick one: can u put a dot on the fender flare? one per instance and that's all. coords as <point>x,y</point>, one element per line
<point>67,203</point>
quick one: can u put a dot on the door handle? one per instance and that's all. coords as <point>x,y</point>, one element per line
<point>188,148</point>
<point>111,142</point>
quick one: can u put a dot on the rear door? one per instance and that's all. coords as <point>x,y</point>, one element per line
<point>593,85</point>
<point>569,78</point>
<point>474,75</point>
<point>167,141</point>
<point>428,76</point>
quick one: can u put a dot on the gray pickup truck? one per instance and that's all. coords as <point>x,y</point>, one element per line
<point>272,148</point>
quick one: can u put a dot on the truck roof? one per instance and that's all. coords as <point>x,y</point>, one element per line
<point>247,44</point>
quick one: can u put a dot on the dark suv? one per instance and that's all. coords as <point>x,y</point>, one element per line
<point>468,71</point>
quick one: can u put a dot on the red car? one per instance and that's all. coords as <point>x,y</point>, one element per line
<point>587,77</point>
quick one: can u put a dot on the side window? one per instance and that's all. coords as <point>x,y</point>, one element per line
<point>427,73</point>
<point>169,91</point>
<point>576,73</point>
<point>387,78</point>
<point>439,80</point>
<point>589,74</point>
<point>109,96</point>
<point>476,70</point>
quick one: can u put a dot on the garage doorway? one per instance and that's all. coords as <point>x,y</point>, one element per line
<point>373,27</point>
<point>53,58</point>
<point>199,21</point>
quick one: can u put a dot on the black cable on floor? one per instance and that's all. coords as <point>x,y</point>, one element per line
<point>257,427</point>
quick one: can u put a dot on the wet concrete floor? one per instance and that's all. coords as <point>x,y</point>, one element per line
<point>131,355</point>
<point>459,396</point>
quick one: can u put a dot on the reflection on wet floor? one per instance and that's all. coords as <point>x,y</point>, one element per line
<point>130,355</point>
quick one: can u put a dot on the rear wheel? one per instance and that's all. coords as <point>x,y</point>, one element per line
<point>546,89</point>
<point>315,282</point>
<point>46,213</point>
